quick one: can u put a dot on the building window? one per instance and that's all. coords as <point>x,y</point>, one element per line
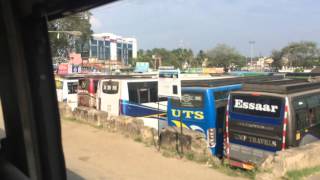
<point>93,42</point>
<point>119,54</point>
<point>107,51</point>
<point>94,51</point>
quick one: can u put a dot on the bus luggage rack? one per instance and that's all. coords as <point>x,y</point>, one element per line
<point>285,86</point>
<point>228,81</point>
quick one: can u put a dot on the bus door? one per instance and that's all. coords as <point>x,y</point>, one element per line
<point>109,96</point>
<point>72,98</point>
<point>59,89</point>
<point>306,115</point>
<point>255,128</point>
<point>221,101</point>
<point>83,92</point>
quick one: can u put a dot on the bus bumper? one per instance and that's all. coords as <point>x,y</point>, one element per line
<point>242,165</point>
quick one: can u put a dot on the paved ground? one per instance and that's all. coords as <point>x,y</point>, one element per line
<point>92,153</point>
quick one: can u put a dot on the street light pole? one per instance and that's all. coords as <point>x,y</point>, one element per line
<point>251,51</point>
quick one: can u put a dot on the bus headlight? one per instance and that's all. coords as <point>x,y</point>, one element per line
<point>211,136</point>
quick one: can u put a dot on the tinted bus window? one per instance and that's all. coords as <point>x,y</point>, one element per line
<point>307,111</point>
<point>266,106</point>
<point>143,92</point>
<point>95,85</point>
<point>83,84</point>
<point>190,100</point>
<point>72,87</point>
<point>221,95</point>
<point>110,87</point>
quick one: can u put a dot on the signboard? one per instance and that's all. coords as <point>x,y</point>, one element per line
<point>141,67</point>
<point>63,68</point>
<point>76,69</point>
<point>169,83</point>
<point>257,105</point>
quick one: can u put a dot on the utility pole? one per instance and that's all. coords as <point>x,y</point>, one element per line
<point>251,51</point>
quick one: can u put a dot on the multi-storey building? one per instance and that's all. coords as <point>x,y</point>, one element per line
<point>112,49</point>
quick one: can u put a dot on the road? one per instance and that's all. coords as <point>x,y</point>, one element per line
<point>93,153</point>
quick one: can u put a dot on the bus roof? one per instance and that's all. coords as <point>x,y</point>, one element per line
<point>284,86</point>
<point>226,81</point>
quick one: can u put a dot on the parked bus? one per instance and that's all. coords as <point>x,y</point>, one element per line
<point>87,90</point>
<point>202,109</point>
<point>203,105</point>
<point>66,88</point>
<point>137,97</point>
<point>271,116</point>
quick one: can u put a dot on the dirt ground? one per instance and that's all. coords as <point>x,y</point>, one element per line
<point>93,153</point>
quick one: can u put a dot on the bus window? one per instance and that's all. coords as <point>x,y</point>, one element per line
<point>144,95</point>
<point>221,95</point>
<point>189,100</point>
<point>143,92</point>
<point>72,87</point>
<point>307,111</point>
<point>110,87</point>
<point>95,85</point>
<point>58,84</point>
<point>83,84</point>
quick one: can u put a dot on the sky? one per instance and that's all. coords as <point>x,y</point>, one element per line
<point>202,24</point>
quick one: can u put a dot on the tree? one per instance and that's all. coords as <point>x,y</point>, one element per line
<point>276,55</point>
<point>62,43</point>
<point>225,56</point>
<point>301,54</point>
<point>200,58</point>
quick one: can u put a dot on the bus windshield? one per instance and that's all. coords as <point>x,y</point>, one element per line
<point>83,84</point>
<point>265,106</point>
<point>189,100</point>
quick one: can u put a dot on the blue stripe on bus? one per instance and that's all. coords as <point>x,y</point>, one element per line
<point>138,110</point>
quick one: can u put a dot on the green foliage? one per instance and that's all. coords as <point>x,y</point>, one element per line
<point>276,55</point>
<point>225,56</point>
<point>65,42</point>
<point>297,54</point>
<point>299,174</point>
<point>176,57</point>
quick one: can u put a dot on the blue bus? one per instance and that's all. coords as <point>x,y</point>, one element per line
<point>265,117</point>
<point>202,109</point>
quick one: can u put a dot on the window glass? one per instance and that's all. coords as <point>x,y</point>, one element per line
<point>72,87</point>
<point>93,41</point>
<point>190,100</point>
<point>107,43</point>
<point>221,95</point>
<point>83,84</point>
<point>307,111</point>
<point>144,95</point>
<point>107,53</point>
<point>94,51</point>
<point>110,87</point>
<point>133,95</point>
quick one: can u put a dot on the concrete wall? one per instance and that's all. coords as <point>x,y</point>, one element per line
<point>278,165</point>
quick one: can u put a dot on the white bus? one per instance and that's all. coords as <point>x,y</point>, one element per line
<point>137,97</point>
<point>67,91</point>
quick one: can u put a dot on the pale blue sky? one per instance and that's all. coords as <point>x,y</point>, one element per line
<point>201,24</point>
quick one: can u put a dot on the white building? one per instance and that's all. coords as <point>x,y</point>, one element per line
<point>113,49</point>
